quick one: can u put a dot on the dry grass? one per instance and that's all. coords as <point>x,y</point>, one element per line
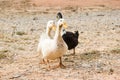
<point>20,48</point>
<point>90,55</point>
<point>20,33</point>
<point>116,51</point>
<point>6,57</point>
<point>9,39</point>
<point>2,56</point>
<point>4,51</point>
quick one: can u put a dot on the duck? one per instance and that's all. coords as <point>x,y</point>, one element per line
<point>55,48</point>
<point>70,38</point>
<point>50,26</point>
<point>47,35</point>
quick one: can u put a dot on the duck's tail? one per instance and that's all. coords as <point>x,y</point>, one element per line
<point>77,34</point>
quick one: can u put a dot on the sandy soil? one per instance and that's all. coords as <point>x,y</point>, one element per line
<point>77,3</point>
<point>97,55</point>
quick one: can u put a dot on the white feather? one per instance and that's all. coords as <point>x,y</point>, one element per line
<point>45,35</point>
<point>53,48</point>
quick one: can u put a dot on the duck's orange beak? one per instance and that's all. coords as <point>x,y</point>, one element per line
<point>65,25</point>
<point>54,28</point>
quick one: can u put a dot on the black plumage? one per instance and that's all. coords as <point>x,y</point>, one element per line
<point>59,15</point>
<point>70,38</point>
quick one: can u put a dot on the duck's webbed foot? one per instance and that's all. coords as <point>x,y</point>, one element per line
<point>61,64</point>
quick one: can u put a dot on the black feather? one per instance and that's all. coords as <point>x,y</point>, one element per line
<point>59,15</point>
<point>71,39</point>
<point>77,34</point>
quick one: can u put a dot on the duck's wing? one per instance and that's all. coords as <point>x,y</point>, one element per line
<point>68,35</point>
<point>43,37</point>
<point>70,40</point>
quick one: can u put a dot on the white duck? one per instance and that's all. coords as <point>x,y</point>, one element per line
<point>54,48</point>
<point>50,25</point>
<point>46,35</point>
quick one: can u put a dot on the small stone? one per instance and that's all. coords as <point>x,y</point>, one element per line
<point>35,18</point>
<point>86,65</point>
<point>16,76</point>
<point>111,71</point>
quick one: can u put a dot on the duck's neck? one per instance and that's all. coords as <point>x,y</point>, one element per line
<point>58,33</point>
<point>48,32</point>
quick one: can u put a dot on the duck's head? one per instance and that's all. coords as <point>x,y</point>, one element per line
<point>61,23</point>
<point>59,15</point>
<point>51,25</point>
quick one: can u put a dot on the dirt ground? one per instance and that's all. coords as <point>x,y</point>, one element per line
<point>97,54</point>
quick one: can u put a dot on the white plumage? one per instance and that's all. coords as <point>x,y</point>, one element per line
<point>46,35</point>
<point>52,49</point>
